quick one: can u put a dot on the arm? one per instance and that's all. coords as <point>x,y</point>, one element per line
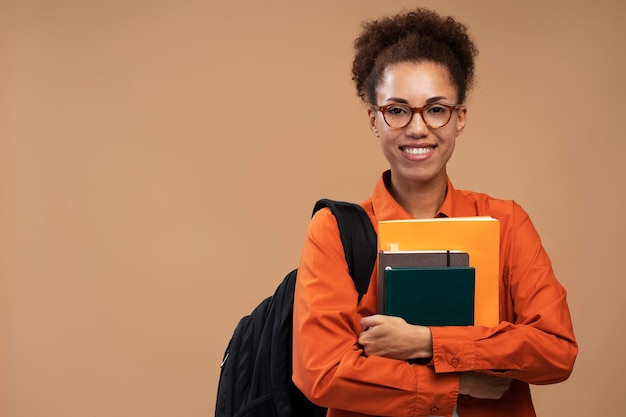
<point>329,366</point>
<point>535,343</point>
<point>393,337</point>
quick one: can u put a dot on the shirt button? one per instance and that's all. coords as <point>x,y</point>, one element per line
<point>454,362</point>
<point>433,410</point>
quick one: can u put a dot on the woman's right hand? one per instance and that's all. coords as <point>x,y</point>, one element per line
<point>392,337</point>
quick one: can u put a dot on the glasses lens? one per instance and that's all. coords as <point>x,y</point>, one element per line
<point>436,115</point>
<point>398,116</point>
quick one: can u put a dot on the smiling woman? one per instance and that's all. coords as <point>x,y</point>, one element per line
<point>159,159</point>
<point>421,62</point>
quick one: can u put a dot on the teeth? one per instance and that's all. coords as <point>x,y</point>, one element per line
<point>417,151</point>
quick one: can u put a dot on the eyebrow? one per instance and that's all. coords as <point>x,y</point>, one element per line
<point>428,101</point>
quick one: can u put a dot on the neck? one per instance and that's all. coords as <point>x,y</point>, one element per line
<point>422,201</point>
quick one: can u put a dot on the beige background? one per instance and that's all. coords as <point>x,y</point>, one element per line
<point>159,160</point>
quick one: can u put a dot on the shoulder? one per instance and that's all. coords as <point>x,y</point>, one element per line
<point>517,231</point>
<point>323,232</point>
<point>324,217</point>
<point>506,210</point>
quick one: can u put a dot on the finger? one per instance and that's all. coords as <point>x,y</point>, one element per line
<point>370,321</point>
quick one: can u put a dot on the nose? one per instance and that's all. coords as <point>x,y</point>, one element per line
<point>417,127</point>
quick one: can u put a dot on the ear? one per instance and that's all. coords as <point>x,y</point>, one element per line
<point>460,119</point>
<point>371,114</point>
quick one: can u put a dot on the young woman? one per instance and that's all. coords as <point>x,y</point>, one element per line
<point>413,70</point>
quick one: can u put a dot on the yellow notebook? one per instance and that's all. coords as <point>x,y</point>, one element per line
<point>478,236</point>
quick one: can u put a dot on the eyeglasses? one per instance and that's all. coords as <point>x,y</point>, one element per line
<point>435,115</point>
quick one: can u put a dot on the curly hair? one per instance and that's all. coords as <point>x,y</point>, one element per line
<point>414,36</point>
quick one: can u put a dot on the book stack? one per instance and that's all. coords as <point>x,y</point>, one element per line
<point>440,272</point>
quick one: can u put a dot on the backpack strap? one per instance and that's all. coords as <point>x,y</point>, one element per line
<point>358,238</point>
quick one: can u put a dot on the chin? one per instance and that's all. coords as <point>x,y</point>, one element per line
<point>421,178</point>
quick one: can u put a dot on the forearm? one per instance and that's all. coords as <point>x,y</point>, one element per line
<point>378,386</point>
<point>332,370</point>
<point>521,352</point>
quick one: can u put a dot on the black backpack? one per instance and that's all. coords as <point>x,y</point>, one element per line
<point>255,376</point>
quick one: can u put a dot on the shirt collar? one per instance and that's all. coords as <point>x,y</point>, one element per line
<point>387,208</point>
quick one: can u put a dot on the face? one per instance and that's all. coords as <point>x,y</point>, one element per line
<point>416,153</point>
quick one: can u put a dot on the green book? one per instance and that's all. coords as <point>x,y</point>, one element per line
<point>431,296</point>
<point>420,258</point>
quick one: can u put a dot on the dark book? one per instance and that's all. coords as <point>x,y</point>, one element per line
<point>415,259</point>
<point>431,296</point>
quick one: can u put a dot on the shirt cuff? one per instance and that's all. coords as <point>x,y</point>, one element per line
<point>454,348</point>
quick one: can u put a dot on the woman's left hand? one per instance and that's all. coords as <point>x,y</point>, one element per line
<point>392,337</point>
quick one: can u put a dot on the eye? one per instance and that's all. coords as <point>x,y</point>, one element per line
<point>397,110</point>
<point>437,109</point>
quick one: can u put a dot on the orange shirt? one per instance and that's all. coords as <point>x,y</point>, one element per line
<point>533,344</point>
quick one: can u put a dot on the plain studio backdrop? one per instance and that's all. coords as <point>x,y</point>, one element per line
<point>159,161</point>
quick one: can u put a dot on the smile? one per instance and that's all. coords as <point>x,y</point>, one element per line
<point>417,151</point>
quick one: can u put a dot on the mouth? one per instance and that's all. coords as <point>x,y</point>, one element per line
<point>421,150</point>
